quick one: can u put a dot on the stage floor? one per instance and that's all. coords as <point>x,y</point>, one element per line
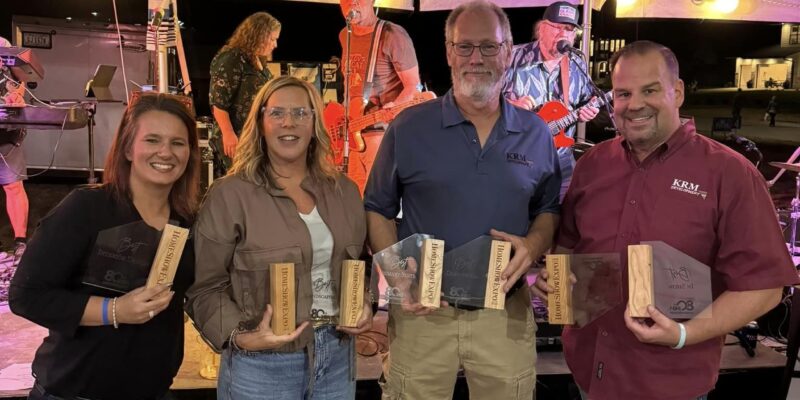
<point>19,339</point>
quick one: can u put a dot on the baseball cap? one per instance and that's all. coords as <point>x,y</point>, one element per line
<point>562,12</point>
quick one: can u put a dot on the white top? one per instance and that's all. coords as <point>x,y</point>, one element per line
<point>324,301</point>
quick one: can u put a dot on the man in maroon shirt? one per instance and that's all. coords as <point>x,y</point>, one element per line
<point>634,188</point>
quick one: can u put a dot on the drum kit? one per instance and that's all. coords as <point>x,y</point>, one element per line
<point>794,208</point>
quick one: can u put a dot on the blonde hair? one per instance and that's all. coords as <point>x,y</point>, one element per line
<point>252,162</point>
<point>250,35</point>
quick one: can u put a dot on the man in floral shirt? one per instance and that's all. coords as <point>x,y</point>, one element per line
<point>535,74</point>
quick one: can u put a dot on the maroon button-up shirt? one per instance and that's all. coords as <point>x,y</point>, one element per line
<point>699,197</point>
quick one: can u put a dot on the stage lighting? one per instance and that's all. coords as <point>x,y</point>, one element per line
<point>726,6</point>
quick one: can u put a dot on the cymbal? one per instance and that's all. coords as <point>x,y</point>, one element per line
<point>786,166</point>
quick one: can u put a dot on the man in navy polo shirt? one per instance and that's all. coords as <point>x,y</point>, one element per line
<point>660,180</point>
<point>465,165</point>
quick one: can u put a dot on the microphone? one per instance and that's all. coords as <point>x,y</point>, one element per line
<point>564,47</point>
<point>351,15</point>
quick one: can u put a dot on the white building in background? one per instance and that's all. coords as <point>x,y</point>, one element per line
<point>772,67</point>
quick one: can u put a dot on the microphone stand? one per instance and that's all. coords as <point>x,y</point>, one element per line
<point>596,91</point>
<point>346,101</point>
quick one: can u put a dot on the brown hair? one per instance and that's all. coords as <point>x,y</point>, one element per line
<point>184,196</point>
<point>252,162</point>
<point>250,35</point>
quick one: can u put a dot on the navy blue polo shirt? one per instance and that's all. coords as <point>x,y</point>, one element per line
<point>450,187</point>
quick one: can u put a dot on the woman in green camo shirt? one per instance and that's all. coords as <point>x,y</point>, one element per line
<point>238,71</point>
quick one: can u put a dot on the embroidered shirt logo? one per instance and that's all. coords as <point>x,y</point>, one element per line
<point>688,187</point>
<point>519,159</point>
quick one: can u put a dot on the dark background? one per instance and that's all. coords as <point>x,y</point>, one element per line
<point>706,49</point>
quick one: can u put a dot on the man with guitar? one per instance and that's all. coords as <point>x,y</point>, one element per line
<point>542,77</point>
<point>380,78</point>
<point>12,162</point>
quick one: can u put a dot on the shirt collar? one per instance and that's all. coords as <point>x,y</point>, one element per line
<point>509,114</point>
<point>533,54</point>
<point>678,138</point>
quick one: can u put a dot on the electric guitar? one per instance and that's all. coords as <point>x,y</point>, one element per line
<point>559,118</point>
<point>333,116</point>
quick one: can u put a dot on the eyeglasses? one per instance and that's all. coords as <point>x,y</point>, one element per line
<point>487,49</point>
<point>561,27</point>
<point>278,114</point>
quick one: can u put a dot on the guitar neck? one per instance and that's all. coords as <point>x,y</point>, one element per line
<point>364,121</point>
<point>562,123</point>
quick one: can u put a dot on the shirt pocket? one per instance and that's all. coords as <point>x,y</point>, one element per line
<point>252,268</point>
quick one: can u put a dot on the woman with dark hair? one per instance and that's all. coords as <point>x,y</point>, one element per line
<point>238,71</point>
<point>281,202</point>
<point>103,344</point>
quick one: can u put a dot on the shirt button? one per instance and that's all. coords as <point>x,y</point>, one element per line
<point>604,333</point>
<point>633,202</point>
<point>474,140</point>
<point>624,235</point>
<point>641,169</point>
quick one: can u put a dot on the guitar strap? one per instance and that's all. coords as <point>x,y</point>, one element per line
<point>373,58</point>
<point>565,81</point>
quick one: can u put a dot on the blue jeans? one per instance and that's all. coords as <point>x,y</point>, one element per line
<point>269,375</point>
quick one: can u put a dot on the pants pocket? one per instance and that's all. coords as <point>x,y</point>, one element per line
<point>394,386</point>
<point>526,384</point>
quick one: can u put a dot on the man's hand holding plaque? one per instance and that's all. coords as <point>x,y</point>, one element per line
<point>579,288</point>
<point>474,274</point>
<point>677,285</point>
<point>409,273</point>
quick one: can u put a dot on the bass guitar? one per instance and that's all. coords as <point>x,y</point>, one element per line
<point>333,116</point>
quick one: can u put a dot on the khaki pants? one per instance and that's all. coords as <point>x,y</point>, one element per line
<point>496,349</point>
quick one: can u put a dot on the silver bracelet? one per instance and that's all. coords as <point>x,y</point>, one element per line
<point>114,313</point>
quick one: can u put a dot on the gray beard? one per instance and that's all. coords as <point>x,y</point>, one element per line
<point>479,92</point>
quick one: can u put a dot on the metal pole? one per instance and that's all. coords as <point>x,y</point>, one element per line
<point>586,42</point>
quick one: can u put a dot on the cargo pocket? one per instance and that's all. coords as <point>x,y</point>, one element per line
<point>395,384</point>
<point>526,383</point>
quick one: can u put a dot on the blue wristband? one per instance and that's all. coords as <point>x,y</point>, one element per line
<point>105,310</point>
<point>682,339</point>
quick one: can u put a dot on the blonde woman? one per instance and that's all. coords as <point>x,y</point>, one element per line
<point>282,201</point>
<point>238,71</point>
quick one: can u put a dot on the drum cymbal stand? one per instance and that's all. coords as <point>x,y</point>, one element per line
<point>794,216</point>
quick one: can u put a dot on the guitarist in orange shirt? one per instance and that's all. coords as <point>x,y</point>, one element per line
<point>395,79</point>
<point>540,75</point>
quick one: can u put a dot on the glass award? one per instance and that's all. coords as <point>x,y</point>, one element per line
<point>471,275</point>
<point>598,287</point>
<point>121,257</point>
<point>409,272</point>
<point>675,283</point>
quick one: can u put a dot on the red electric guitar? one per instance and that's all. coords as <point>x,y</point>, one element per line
<point>559,118</point>
<point>333,115</point>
